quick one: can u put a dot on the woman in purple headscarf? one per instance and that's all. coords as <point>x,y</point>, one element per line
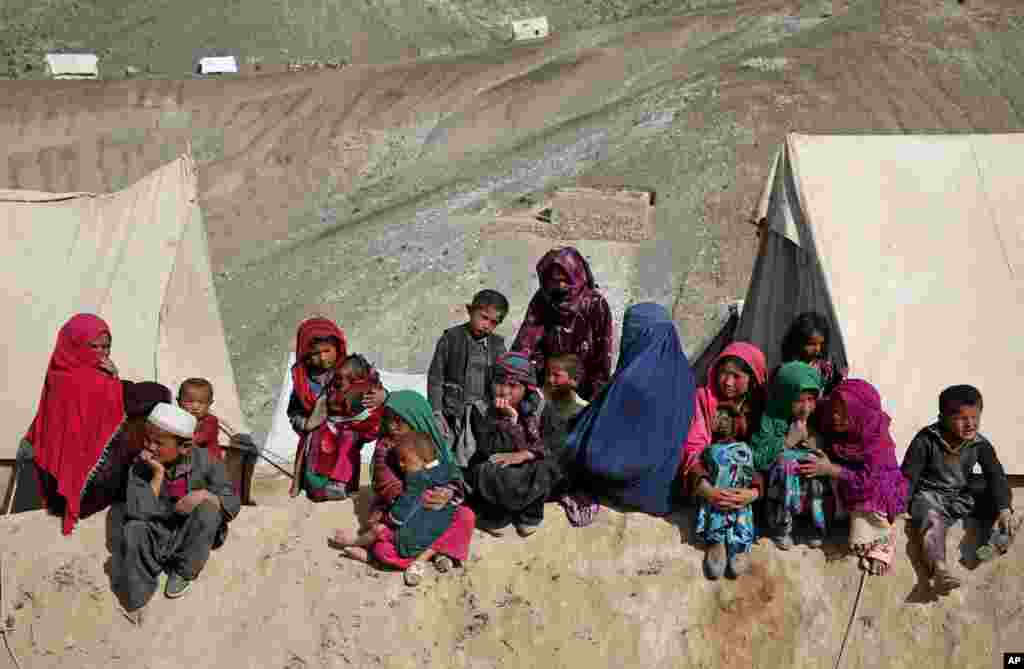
<point>862,464</point>
<point>569,315</point>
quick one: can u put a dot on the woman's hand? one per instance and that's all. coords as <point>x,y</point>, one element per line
<point>818,464</point>
<point>374,398</point>
<point>435,499</point>
<point>797,433</point>
<point>108,366</point>
<point>506,459</point>
<point>505,407</point>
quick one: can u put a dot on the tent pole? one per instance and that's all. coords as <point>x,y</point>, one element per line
<point>226,429</point>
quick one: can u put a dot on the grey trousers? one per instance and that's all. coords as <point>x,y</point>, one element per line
<point>151,547</point>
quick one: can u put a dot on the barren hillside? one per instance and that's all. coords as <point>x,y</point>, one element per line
<point>365,192</point>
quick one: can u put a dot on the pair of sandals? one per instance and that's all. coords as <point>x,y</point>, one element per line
<point>717,562</point>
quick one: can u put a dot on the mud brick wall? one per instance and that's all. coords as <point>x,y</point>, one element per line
<point>584,213</point>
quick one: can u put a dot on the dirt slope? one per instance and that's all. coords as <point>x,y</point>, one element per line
<point>625,592</point>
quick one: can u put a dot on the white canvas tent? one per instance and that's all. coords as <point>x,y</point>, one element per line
<point>72,65</point>
<point>218,65</point>
<point>282,441</point>
<point>914,247</point>
<point>529,29</point>
<point>139,259</point>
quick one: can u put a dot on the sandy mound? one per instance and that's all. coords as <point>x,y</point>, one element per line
<point>625,592</point>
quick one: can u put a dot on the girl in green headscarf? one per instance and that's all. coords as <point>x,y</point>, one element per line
<point>408,411</point>
<point>783,439</point>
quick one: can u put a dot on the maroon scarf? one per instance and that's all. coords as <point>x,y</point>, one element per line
<point>581,279</point>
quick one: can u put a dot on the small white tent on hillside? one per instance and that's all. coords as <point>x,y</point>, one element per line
<point>913,246</point>
<point>139,259</point>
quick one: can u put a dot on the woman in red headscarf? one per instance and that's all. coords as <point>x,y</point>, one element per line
<point>319,345</point>
<point>569,315</point>
<point>80,412</point>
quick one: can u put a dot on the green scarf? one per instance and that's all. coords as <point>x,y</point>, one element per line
<point>415,410</point>
<point>792,379</point>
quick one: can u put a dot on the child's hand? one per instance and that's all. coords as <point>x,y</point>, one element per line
<point>151,461</point>
<point>797,433</point>
<point>374,398</point>
<point>506,459</point>
<point>505,407</point>
<point>816,464</point>
<point>1005,522</point>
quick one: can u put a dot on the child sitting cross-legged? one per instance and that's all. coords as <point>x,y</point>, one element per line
<point>728,533</point>
<point>410,528</point>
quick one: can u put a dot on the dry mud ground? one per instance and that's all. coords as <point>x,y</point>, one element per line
<point>366,194</point>
<point>625,592</point>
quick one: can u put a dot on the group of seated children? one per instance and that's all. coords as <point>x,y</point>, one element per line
<point>502,432</point>
<point>97,440</point>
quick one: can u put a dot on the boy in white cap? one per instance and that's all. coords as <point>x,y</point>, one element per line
<point>178,504</point>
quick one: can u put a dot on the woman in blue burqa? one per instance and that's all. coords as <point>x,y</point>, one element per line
<point>626,445</point>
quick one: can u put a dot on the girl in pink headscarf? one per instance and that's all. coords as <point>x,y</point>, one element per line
<point>569,315</point>
<point>735,384</point>
<point>862,462</point>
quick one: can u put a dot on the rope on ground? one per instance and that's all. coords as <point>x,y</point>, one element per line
<point>853,616</point>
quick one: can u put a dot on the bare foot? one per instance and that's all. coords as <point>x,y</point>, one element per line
<point>357,553</point>
<point>943,581</point>
<point>343,538</point>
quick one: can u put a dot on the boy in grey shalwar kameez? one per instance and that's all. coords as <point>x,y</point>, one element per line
<point>939,465</point>
<point>178,504</point>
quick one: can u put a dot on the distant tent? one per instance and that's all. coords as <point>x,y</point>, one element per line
<point>139,259</point>
<point>527,29</point>
<point>913,246</point>
<point>217,65</point>
<point>72,65</point>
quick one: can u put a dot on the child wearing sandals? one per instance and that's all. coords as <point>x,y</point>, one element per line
<point>861,462</point>
<point>410,528</point>
<point>939,464</point>
<point>729,535</point>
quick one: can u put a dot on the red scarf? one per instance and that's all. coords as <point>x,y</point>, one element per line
<point>80,410</point>
<point>310,329</point>
<point>581,279</point>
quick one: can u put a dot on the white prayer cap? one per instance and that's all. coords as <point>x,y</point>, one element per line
<point>175,420</point>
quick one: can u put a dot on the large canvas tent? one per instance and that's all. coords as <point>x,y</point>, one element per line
<point>139,259</point>
<point>913,246</point>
